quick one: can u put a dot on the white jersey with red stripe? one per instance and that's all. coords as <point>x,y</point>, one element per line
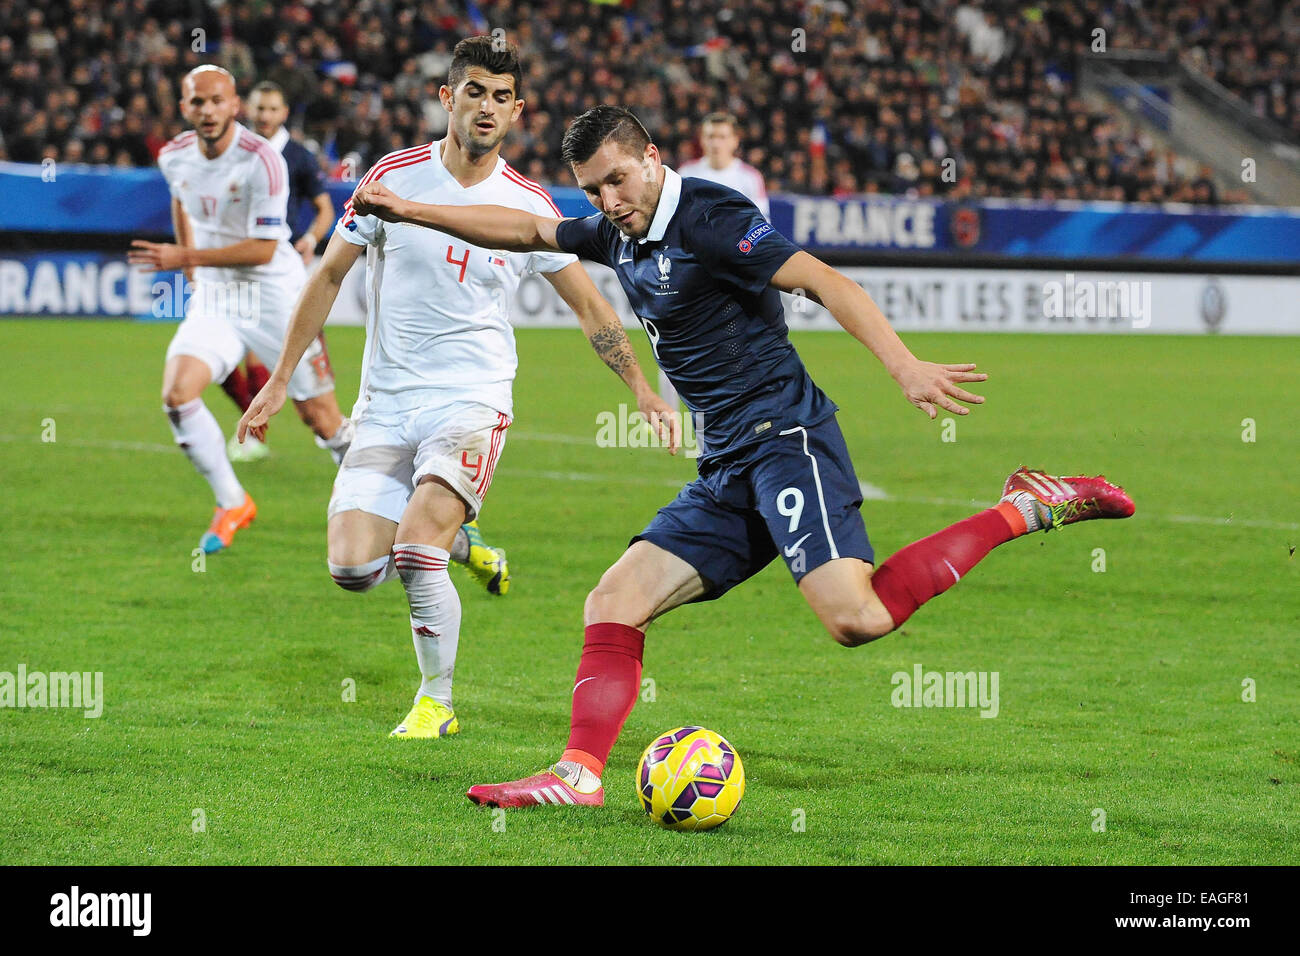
<point>241,194</point>
<point>739,175</point>
<point>437,308</point>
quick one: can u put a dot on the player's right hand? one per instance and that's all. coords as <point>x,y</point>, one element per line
<point>931,386</point>
<point>664,420</point>
<point>376,199</point>
<point>265,404</point>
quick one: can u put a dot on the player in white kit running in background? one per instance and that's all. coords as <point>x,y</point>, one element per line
<point>435,400</point>
<point>229,192</point>
<point>721,163</point>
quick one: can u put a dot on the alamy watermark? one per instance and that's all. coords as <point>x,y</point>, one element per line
<point>130,910</point>
<point>79,690</point>
<point>239,301</point>
<point>922,688</point>
<point>628,428</point>
<point>1113,300</point>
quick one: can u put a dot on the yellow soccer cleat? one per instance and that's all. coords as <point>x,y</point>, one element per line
<point>428,719</point>
<point>488,565</point>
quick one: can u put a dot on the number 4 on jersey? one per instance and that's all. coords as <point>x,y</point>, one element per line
<point>459,262</point>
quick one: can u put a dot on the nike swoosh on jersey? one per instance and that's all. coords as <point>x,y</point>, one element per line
<point>789,552</point>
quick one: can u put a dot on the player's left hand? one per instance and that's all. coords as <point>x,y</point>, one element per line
<point>376,199</point>
<point>163,256</point>
<point>930,386</point>
<point>664,420</point>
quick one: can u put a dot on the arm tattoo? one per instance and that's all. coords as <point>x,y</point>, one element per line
<point>611,344</point>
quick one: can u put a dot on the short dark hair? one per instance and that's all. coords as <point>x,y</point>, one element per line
<point>494,54</point>
<point>266,86</point>
<point>727,118</point>
<point>599,125</point>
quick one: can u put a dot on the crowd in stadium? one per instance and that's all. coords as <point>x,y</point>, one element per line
<point>945,97</point>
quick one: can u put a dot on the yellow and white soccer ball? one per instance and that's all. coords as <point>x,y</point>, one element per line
<point>690,779</point>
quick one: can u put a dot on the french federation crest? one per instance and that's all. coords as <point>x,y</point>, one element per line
<point>665,266</point>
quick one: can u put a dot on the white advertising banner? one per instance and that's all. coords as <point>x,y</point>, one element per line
<point>914,299</point>
<point>989,300</point>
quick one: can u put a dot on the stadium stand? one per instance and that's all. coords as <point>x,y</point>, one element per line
<point>945,98</point>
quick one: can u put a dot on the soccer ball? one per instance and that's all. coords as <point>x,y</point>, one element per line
<point>690,779</point>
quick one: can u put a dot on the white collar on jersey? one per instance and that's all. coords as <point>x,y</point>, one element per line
<point>669,198</point>
<point>435,153</point>
<point>279,139</point>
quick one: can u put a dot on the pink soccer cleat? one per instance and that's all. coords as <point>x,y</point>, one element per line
<point>553,787</point>
<point>1064,501</point>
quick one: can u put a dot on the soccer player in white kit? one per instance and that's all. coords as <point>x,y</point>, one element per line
<point>721,163</point>
<point>229,191</point>
<point>720,138</point>
<point>435,400</point>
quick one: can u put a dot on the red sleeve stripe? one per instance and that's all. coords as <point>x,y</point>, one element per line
<point>182,140</point>
<point>399,160</point>
<point>264,153</point>
<point>513,175</point>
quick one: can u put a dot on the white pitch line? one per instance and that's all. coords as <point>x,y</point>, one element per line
<point>869,491</point>
<point>550,437</point>
<point>589,476</point>
<point>103,444</point>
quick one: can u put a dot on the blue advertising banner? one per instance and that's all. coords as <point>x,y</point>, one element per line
<point>130,202</point>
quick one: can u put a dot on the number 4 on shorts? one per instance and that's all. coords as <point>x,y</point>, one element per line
<point>476,465</point>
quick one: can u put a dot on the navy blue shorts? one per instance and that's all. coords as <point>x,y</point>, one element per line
<point>795,494</point>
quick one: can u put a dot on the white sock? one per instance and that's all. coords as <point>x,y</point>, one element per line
<point>363,577</point>
<point>1036,515</point>
<point>338,445</point>
<point>577,776</point>
<point>435,615</point>
<point>199,436</point>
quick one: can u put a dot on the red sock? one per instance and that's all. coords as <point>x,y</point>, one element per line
<point>236,386</point>
<point>609,678</point>
<point>927,568</point>
<point>257,377</point>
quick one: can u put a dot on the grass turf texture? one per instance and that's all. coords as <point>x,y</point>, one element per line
<point>1119,690</point>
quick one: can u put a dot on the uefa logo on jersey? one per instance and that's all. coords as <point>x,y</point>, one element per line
<point>751,237</point>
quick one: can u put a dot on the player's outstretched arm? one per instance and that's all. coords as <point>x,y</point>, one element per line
<point>309,316</point>
<point>605,332</point>
<point>493,227</point>
<point>166,256</point>
<point>927,385</point>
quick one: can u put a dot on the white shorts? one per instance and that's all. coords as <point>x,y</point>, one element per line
<point>220,325</point>
<point>392,449</point>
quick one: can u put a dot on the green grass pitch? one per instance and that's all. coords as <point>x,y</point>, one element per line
<point>1120,692</point>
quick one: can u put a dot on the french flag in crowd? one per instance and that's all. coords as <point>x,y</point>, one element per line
<point>817,141</point>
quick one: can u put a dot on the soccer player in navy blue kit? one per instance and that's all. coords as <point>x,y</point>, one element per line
<point>703,270</point>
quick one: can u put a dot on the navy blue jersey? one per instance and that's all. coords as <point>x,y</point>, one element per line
<point>699,284</point>
<point>305,184</point>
